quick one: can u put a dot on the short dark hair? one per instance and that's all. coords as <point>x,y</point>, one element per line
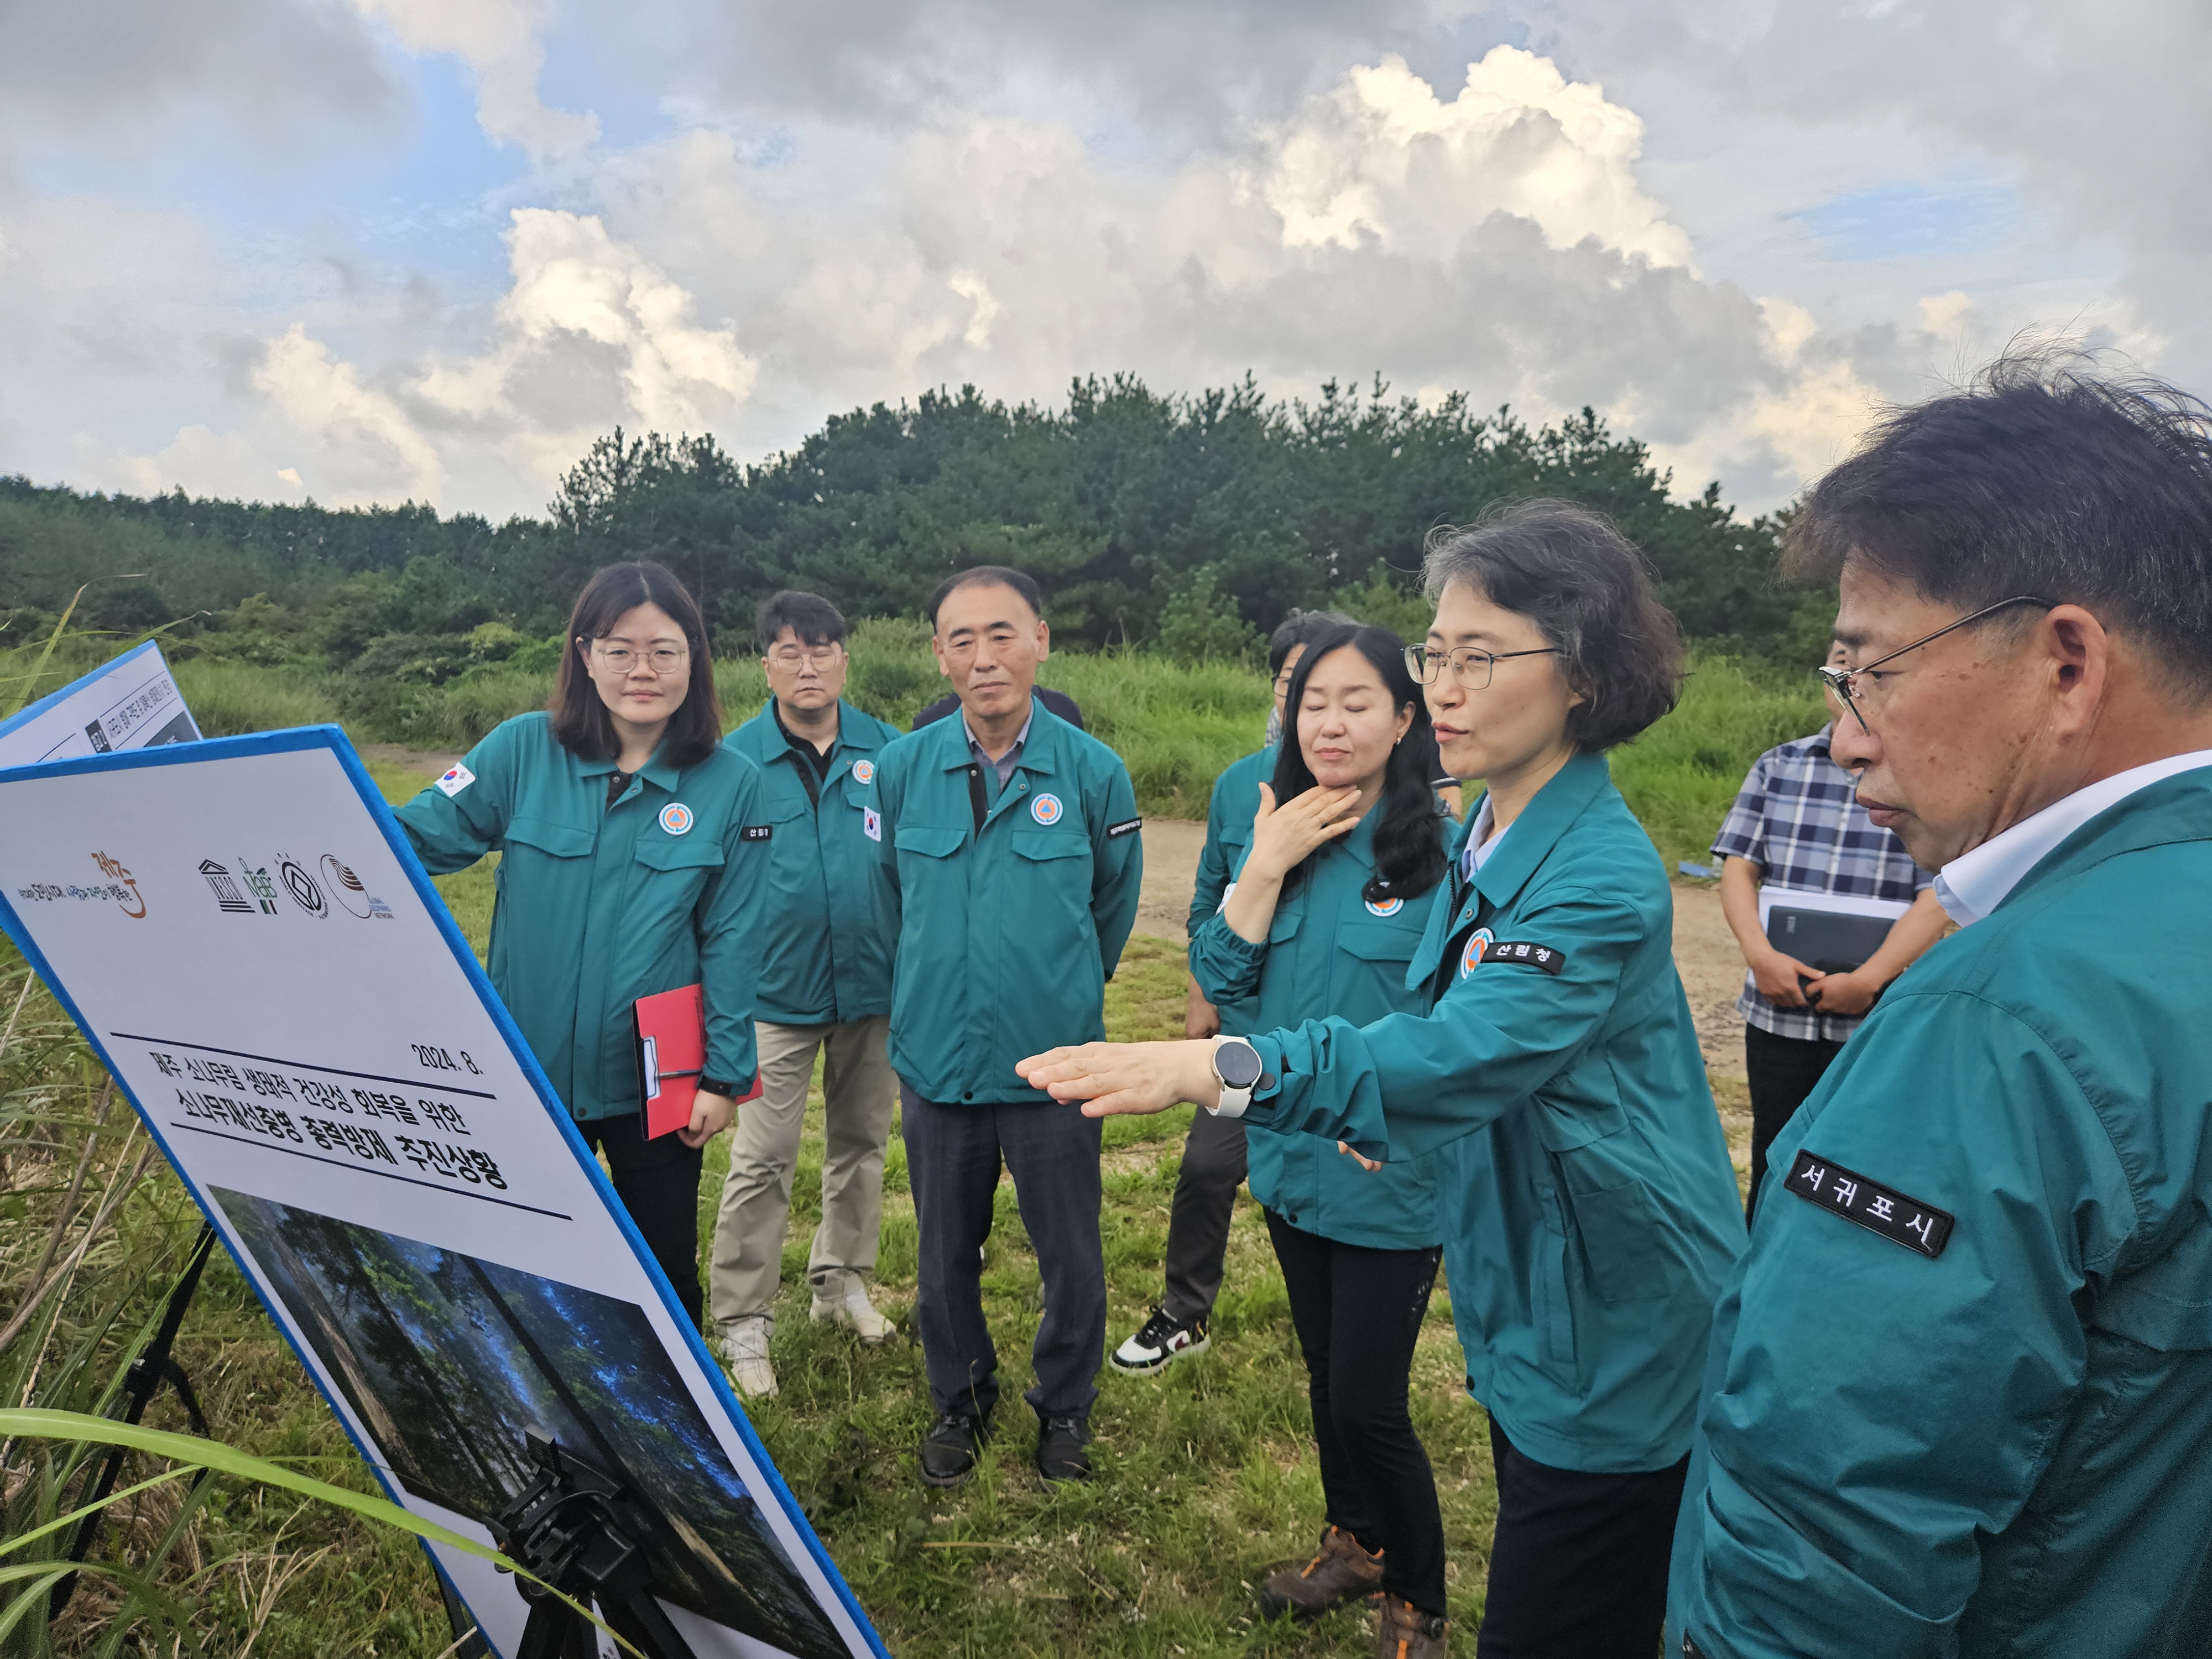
<point>1409,850</point>
<point>2045,475</point>
<point>811,619</point>
<point>1589,592</point>
<point>580,720</point>
<point>988,576</point>
<point>1299,628</point>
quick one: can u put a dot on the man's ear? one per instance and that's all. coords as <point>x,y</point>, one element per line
<point>937,650</point>
<point>2078,652</point>
<point>1044,638</point>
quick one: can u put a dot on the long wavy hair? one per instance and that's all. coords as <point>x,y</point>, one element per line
<point>1409,852</point>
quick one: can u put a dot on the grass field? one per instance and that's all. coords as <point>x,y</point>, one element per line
<point>1206,1478</point>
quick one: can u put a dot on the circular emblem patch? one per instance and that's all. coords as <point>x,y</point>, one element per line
<point>1045,809</point>
<point>1478,946</point>
<point>1389,907</point>
<point>864,771</point>
<point>676,818</point>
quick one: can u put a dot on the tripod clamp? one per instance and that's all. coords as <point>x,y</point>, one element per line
<point>564,1529</point>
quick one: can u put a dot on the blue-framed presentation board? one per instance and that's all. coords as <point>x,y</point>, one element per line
<point>241,930</point>
<point>131,702</point>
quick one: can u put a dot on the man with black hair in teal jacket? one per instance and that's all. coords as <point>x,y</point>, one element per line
<point>1960,1396</point>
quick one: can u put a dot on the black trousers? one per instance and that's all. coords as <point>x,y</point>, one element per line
<point>657,1181</point>
<point>1782,1071</point>
<point>953,1156</point>
<point>1198,1222</point>
<point>1357,1312</point>
<point>1578,1565</point>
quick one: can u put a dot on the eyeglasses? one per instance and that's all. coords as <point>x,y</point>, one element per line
<point>1845,683</point>
<point>1470,667</point>
<point>661,659</point>
<point>818,657</point>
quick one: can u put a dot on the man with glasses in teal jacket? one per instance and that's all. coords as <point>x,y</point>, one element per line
<point>1960,1395</point>
<point>825,987</point>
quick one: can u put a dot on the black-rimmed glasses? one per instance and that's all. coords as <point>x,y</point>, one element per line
<point>1470,667</point>
<point>1840,680</point>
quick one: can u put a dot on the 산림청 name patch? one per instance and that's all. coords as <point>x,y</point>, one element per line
<point>1899,1218</point>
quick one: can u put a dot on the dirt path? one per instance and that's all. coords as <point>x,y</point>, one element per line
<point>1705,951</point>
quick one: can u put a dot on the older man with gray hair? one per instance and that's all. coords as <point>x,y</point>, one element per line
<point>1961,1387</point>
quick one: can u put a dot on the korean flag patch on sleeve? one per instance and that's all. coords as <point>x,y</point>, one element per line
<point>872,823</point>
<point>455,780</point>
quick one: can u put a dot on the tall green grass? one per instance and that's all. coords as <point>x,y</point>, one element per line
<point>1679,777</point>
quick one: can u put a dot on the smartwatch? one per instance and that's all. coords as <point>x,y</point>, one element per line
<point>1236,1068</point>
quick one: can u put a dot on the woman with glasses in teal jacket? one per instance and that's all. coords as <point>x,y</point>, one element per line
<point>1591,1210</point>
<point>633,860</point>
<point>1321,919</point>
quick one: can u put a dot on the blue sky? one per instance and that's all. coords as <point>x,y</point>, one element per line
<point>371,250</point>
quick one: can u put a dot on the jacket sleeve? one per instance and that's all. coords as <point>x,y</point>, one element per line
<point>1212,869</point>
<point>730,914</point>
<point>1411,1083</point>
<point>1879,1413</point>
<point>1117,867</point>
<point>452,832</point>
<point>1226,966</point>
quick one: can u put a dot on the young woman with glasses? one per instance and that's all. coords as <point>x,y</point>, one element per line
<point>1590,1210</point>
<point>633,861</point>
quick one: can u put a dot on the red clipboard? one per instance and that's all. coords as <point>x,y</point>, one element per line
<point>672,1054</point>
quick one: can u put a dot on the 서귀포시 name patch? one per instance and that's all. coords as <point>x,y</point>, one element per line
<point>1901,1220</point>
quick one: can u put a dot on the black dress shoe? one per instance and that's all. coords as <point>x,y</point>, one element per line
<point>1059,1454</point>
<point>950,1448</point>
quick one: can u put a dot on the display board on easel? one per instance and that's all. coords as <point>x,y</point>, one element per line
<point>269,974</point>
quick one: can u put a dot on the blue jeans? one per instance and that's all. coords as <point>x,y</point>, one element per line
<point>953,1156</point>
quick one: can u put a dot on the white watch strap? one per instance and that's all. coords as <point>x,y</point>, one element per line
<point>1233,1101</point>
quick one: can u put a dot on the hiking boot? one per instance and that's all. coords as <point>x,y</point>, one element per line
<point>951,1447</point>
<point>842,1299</point>
<point>1341,1572</point>
<point>1402,1631</point>
<point>1159,1342</point>
<point>742,1346</point>
<point>1059,1454</point>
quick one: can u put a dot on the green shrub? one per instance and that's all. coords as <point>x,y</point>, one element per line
<point>1199,623</point>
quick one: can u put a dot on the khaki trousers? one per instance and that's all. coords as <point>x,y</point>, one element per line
<point>859,1091</point>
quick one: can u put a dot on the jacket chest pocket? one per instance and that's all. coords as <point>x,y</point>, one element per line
<point>790,847</point>
<point>922,850</point>
<point>1053,868</point>
<point>528,839</point>
<point>672,861</point>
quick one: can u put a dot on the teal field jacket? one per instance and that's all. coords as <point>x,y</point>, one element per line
<point>1228,814</point>
<point>1329,950</point>
<point>1590,1208</point>
<point>1005,933</point>
<point>1990,1434</point>
<point>600,905</point>
<point>825,958</point>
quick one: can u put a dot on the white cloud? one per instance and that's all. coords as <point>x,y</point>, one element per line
<point>368,449</point>
<point>500,42</point>
<point>1382,156</point>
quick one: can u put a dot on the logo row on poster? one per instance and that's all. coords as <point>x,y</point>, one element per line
<point>248,889</point>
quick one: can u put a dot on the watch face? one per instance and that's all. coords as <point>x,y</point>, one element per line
<point>1238,1065</point>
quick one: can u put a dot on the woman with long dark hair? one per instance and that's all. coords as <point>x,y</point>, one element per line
<point>633,862</point>
<point>1321,919</point>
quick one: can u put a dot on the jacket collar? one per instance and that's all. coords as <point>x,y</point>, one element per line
<point>655,771</point>
<point>2175,807</point>
<point>1040,753</point>
<point>1531,836</point>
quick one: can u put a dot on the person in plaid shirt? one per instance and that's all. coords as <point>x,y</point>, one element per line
<point>1796,823</point>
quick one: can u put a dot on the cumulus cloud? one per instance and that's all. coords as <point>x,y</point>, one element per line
<point>367,449</point>
<point>500,42</point>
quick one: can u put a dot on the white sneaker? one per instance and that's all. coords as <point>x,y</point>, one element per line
<point>1159,1342</point>
<point>847,1304</point>
<point>742,1348</point>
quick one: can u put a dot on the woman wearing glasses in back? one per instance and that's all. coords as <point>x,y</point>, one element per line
<point>633,861</point>
<point>1589,1208</point>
